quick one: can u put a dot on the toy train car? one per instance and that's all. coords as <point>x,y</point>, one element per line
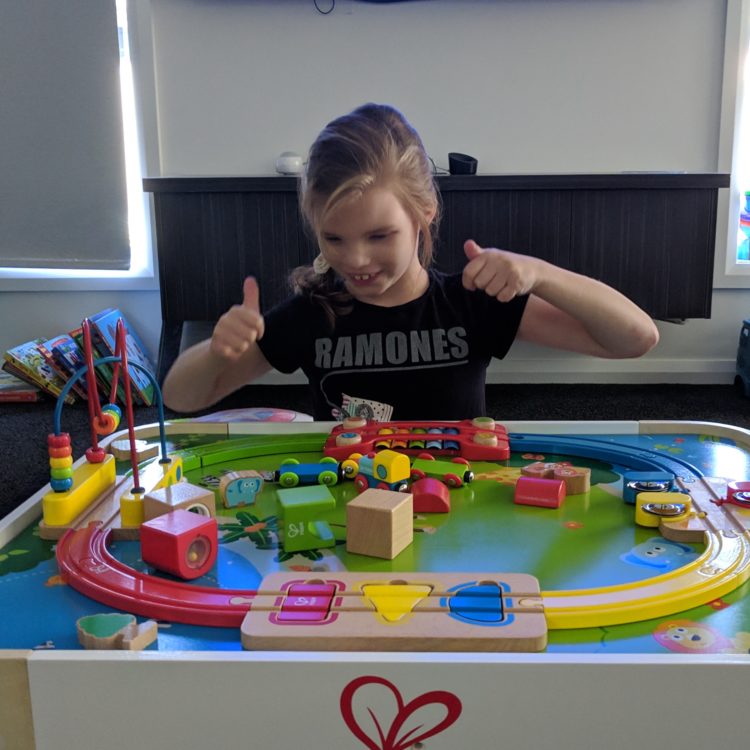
<point>480,439</point>
<point>454,473</point>
<point>385,470</point>
<point>291,472</point>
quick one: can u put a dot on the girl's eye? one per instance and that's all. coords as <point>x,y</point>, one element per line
<point>332,240</point>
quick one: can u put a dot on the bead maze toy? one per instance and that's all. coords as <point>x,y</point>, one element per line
<point>73,489</point>
<point>478,439</point>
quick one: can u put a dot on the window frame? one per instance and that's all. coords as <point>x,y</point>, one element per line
<point>735,107</point>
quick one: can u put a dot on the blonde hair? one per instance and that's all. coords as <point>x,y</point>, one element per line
<point>373,145</point>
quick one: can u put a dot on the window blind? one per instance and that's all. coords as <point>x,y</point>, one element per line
<point>63,201</point>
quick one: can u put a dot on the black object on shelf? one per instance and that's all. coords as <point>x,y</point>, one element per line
<point>461,163</point>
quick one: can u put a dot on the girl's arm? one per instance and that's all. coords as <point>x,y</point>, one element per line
<point>565,310</point>
<point>231,358</point>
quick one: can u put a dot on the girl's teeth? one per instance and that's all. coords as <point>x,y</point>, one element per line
<point>363,277</point>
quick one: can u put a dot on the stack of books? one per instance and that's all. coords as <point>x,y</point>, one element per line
<point>46,365</point>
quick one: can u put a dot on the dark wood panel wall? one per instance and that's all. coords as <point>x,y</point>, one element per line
<point>649,235</point>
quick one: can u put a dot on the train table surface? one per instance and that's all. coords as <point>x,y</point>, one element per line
<point>588,544</point>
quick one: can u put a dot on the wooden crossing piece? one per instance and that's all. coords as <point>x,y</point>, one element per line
<point>346,611</point>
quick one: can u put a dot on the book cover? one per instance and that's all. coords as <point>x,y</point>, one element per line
<point>104,372</point>
<point>13,389</point>
<point>69,357</point>
<point>27,358</point>
<point>46,350</point>
<point>104,333</point>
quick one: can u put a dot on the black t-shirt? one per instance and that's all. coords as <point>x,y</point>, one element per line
<point>427,358</point>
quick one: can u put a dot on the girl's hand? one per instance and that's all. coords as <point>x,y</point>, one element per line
<point>499,273</point>
<point>239,327</point>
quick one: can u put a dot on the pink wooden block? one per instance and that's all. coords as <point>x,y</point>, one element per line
<point>545,493</point>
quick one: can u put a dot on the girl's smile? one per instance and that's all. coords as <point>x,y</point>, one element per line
<point>371,243</point>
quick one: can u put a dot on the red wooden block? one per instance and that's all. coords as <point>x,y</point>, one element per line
<point>545,493</point>
<point>182,543</point>
<point>430,496</point>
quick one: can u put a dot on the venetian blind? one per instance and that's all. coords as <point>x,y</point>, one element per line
<point>62,165</point>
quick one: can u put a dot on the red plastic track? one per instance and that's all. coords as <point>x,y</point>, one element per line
<point>87,566</point>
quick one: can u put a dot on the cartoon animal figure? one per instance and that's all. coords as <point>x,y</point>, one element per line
<point>659,553</point>
<point>688,637</point>
<point>238,488</point>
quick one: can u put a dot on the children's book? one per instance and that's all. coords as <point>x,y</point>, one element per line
<point>14,389</point>
<point>104,334</point>
<point>29,364</point>
<point>104,372</point>
<point>48,350</point>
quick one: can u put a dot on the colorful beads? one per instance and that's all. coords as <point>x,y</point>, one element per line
<point>60,462</point>
<point>109,420</point>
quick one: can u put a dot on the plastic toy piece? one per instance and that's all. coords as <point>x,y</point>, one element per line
<point>480,439</point>
<point>182,543</point>
<point>485,612</point>
<point>634,482</point>
<point>180,496</point>
<point>379,523</point>
<point>115,631</point>
<point>543,493</point>
<point>738,493</point>
<point>89,481</point>
<point>454,473</point>
<point>385,470</point>
<point>430,496</point>
<point>301,508</point>
<point>652,507</point>
<point>239,488</point>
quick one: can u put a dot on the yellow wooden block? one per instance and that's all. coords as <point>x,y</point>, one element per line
<point>89,481</point>
<point>131,509</point>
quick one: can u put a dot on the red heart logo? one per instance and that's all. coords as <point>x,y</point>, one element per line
<point>398,737</point>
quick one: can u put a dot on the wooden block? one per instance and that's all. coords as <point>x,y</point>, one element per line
<point>430,496</point>
<point>379,523</point>
<point>115,631</point>
<point>239,488</point>
<point>544,493</point>
<point>577,479</point>
<point>346,611</point>
<point>183,496</point>
<point>300,510</point>
<point>120,449</point>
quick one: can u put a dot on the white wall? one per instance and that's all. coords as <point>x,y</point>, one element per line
<point>523,85</point>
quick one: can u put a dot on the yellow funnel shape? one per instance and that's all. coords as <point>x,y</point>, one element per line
<point>394,601</point>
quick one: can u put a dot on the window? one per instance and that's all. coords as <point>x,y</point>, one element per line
<point>733,266</point>
<point>75,197</point>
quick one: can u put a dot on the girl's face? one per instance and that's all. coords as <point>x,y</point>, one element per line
<point>371,243</point>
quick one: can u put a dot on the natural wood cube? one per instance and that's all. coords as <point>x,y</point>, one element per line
<point>183,496</point>
<point>379,523</point>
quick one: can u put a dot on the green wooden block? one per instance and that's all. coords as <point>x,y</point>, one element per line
<point>301,508</point>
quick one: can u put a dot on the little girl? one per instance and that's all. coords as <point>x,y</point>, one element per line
<point>371,323</point>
